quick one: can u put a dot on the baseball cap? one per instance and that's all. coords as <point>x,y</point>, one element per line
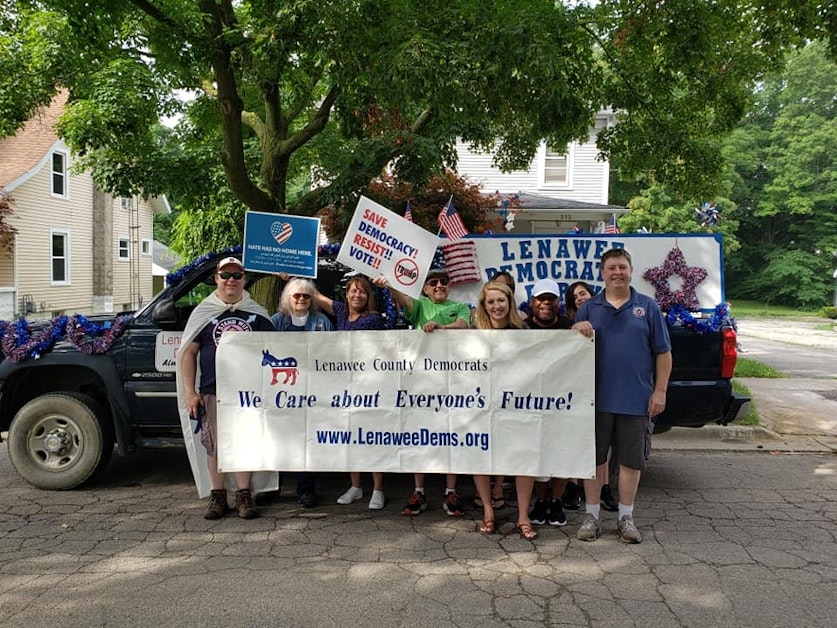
<point>230,261</point>
<point>436,272</point>
<point>546,286</point>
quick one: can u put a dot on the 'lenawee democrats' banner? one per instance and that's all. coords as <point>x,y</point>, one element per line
<point>474,402</point>
<point>569,258</point>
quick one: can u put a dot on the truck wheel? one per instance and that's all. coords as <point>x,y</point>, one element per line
<point>57,441</point>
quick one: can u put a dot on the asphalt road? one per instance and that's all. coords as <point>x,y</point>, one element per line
<point>796,347</point>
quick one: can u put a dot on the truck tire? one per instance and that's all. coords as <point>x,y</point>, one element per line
<point>59,440</point>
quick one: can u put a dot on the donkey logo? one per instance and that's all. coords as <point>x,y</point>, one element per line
<point>280,365</point>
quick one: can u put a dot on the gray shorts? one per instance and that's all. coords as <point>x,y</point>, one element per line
<point>628,434</point>
<point>209,424</point>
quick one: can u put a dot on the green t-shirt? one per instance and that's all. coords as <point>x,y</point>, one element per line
<point>424,310</point>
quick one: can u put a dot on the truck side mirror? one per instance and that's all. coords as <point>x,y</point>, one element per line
<point>165,313</point>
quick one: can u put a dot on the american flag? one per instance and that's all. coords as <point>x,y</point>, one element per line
<point>611,226</point>
<point>408,215</point>
<point>461,261</point>
<point>451,222</point>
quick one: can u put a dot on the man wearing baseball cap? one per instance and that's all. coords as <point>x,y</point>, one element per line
<point>228,309</point>
<point>544,308</point>
<point>430,312</point>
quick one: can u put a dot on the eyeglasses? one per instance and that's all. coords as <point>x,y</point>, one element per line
<point>227,275</point>
<point>435,282</point>
<point>301,297</point>
<point>546,296</point>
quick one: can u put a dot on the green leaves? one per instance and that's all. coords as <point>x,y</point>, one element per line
<point>346,89</point>
<point>784,170</point>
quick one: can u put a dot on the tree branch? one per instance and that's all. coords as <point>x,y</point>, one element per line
<point>314,126</point>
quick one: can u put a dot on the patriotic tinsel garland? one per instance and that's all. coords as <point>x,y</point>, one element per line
<point>18,343</point>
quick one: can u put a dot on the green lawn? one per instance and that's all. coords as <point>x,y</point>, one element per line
<point>751,368</point>
<point>752,417</point>
<point>757,308</point>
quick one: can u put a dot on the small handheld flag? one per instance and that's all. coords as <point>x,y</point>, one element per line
<point>451,222</point>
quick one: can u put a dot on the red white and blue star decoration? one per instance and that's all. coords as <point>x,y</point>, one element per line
<point>507,212</point>
<point>708,214</point>
<point>675,264</point>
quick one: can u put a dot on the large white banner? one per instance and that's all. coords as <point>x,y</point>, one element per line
<point>512,402</point>
<point>570,258</point>
<point>380,242</point>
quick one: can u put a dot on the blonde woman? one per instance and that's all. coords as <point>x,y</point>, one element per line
<point>495,310</point>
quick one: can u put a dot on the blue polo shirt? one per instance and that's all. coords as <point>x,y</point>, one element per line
<point>627,343</point>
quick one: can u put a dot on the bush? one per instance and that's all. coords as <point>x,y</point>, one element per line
<point>829,312</point>
<point>793,277</point>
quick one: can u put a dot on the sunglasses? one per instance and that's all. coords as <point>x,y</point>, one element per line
<point>435,282</point>
<point>301,297</point>
<point>228,275</point>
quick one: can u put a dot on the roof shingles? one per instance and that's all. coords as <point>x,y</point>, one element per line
<point>23,151</point>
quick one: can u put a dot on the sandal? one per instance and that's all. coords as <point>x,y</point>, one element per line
<point>527,532</point>
<point>498,503</point>
<point>478,502</point>
<point>486,527</point>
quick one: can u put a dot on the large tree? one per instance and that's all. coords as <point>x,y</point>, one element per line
<point>349,87</point>
<point>783,160</point>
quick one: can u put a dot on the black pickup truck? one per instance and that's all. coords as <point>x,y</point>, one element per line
<point>67,411</point>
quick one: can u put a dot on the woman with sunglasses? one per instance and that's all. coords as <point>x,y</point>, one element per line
<point>357,313</point>
<point>298,311</point>
<point>495,310</point>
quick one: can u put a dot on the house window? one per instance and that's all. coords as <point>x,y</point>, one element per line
<point>124,250</point>
<point>556,168</point>
<point>145,247</point>
<point>127,203</point>
<point>60,256</point>
<point>59,174</point>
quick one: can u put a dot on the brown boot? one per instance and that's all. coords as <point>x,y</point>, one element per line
<point>217,505</point>
<point>244,504</point>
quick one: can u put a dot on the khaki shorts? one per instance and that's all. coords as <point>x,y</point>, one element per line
<point>209,425</point>
<point>628,434</point>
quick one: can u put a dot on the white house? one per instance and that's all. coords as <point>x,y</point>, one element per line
<point>559,191</point>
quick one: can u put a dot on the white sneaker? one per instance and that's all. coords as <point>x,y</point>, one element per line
<point>378,500</point>
<point>352,495</point>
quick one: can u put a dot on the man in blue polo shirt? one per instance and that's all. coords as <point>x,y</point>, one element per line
<point>633,365</point>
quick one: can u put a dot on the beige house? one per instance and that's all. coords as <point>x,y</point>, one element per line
<point>77,249</point>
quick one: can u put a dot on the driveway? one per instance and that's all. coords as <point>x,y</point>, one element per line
<point>805,403</point>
